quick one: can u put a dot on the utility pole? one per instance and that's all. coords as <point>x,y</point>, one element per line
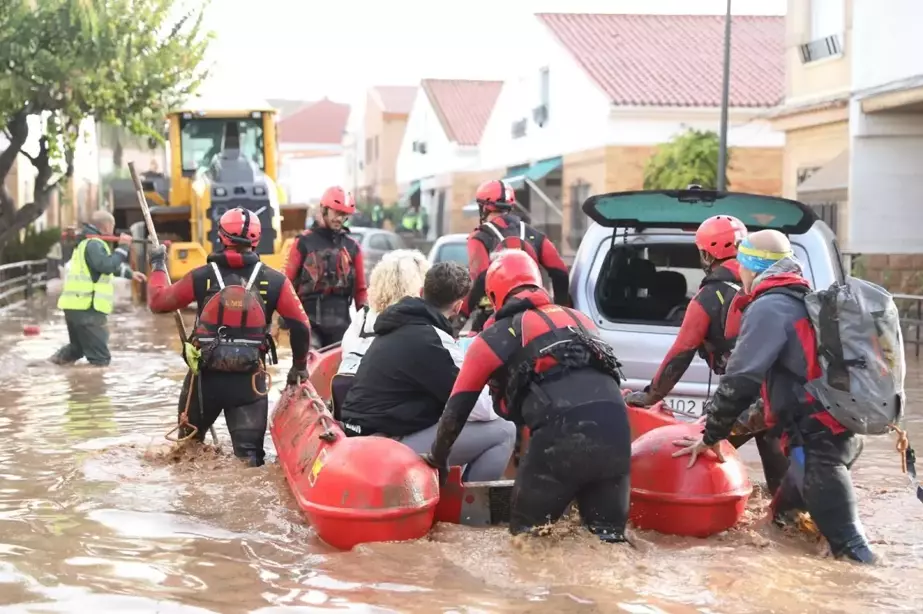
<point>725,95</point>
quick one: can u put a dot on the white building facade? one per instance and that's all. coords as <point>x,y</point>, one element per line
<point>886,129</point>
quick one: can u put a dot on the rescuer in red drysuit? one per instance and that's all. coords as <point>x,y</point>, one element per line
<point>500,229</point>
<point>549,371</point>
<point>232,333</point>
<point>703,332</point>
<point>325,265</point>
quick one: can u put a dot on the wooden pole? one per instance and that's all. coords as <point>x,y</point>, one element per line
<point>146,212</point>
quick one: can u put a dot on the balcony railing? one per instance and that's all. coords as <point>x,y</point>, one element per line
<point>827,47</point>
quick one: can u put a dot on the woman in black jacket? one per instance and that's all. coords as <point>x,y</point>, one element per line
<point>407,375</point>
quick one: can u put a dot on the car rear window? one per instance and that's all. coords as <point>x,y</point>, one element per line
<point>686,209</point>
<point>653,283</point>
<point>453,252</point>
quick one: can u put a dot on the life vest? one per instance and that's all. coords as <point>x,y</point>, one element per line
<point>328,267</point>
<point>80,292</point>
<point>512,236</point>
<point>717,295</point>
<point>547,357</point>
<point>232,330</point>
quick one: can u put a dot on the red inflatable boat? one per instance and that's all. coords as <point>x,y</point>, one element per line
<point>400,494</point>
<point>352,490</point>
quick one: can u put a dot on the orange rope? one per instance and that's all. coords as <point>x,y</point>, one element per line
<point>184,419</point>
<point>902,444</point>
<point>254,385</point>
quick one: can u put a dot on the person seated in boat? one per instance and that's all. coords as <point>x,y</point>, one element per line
<point>406,376</point>
<point>228,350</point>
<point>400,273</point>
<point>776,351</point>
<point>708,330</point>
<point>549,371</point>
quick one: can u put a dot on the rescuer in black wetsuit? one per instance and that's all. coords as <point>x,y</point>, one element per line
<point>548,371</point>
<point>709,328</point>
<point>232,333</point>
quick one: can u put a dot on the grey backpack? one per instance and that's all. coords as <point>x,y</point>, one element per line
<point>860,350</point>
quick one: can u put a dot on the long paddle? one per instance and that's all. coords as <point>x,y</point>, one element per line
<point>177,316</point>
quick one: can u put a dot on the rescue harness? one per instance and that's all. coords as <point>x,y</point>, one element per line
<point>567,349</point>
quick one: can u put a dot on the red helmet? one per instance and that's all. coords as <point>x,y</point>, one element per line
<point>511,269</point>
<point>338,199</point>
<point>719,235</point>
<point>495,196</point>
<point>239,227</point>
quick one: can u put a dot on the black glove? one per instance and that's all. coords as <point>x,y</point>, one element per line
<point>442,468</point>
<point>296,375</point>
<point>158,257</point>
<point>639,399</point>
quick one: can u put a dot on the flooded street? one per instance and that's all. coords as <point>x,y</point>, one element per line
<point>93,519</point>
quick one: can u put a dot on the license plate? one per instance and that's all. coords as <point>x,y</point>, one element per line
<point>684,405</point>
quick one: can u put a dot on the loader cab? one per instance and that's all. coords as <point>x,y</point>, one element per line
<point>198,137</point>
<point>221,160</point>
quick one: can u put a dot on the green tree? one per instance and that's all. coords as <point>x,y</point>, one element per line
<point>120,62</point>
<point>691,157</point>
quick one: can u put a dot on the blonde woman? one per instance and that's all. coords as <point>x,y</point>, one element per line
<point>400,273</point>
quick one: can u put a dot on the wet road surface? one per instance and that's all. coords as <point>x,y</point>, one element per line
<point>95,517</point>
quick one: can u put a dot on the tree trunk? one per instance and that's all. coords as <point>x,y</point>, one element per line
<point>18,129</point>
<point>10,225</point>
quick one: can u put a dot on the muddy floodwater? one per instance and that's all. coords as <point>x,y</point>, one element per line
<point>94,519</point>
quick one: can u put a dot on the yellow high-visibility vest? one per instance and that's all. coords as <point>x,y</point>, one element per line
<point>80,293</point>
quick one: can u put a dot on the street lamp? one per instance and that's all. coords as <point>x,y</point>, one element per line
<point>725,94</point>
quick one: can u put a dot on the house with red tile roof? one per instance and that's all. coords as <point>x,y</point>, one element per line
<point>311,149</point>
<point>597,93</point>
<point>441,146</point>
<point>378,142</point>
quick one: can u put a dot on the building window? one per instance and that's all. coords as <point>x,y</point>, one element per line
<point>544,87</point>
<point>828,17</point>
<point>828,212</point>
<point>540,112</point>
<point>376,147</point>
<point>368,150</point>
<point>827,25</point>
<point>579,192</point>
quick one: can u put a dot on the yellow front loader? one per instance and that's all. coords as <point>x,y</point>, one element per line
<point>219,159</point>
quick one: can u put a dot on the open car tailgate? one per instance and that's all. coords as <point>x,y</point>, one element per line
<point>686,209</point>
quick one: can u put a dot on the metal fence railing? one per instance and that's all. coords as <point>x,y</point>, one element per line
<point>20,280</point>
<point>910,306</point>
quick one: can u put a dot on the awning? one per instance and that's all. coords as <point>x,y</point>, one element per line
<point>522,175</point>
<point>410,193</point>
<point>536,172</point>
<point>830,184</point>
